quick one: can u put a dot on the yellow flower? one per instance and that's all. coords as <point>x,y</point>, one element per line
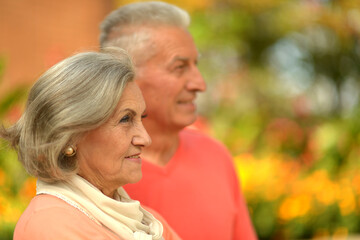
<point>2,177</point>
<point>324,190</point>
<point>295,206</point>
<point>341,233</point>
<point>347,201</point>
<point>28,191</point>
<point>11,214</point>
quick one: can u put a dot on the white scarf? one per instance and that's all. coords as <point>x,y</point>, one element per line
<point>126,218</point>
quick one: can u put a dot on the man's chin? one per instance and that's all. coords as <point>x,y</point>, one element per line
<point>185,121</point>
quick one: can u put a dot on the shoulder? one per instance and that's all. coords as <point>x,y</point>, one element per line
<point>199,137</point>
<point>48,217</point>
<point>198,148</point>
<point>168,233</point>
<point>197,140</point>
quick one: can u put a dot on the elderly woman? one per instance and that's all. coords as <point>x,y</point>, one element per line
<point>81,135</point>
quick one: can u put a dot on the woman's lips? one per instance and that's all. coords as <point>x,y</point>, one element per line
<point>134,158</point>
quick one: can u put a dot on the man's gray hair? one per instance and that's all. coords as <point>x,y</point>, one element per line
<point>127,26</point>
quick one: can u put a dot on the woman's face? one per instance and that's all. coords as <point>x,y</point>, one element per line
<point>109,156</point>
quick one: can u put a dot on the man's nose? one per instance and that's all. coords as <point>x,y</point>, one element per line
<point>196,81</point>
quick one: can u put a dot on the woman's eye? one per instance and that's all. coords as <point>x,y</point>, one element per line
<point>125,119</point>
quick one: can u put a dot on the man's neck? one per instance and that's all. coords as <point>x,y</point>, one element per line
<point>163,147</point>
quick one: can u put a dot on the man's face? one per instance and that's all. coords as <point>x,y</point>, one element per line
<point>170,80</point>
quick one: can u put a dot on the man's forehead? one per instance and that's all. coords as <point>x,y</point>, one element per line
<point>165,43</point>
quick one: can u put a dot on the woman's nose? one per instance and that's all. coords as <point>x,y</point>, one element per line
<point>142,138</point>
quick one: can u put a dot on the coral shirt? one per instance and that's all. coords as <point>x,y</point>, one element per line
<point>48,217</point>
<point>197,192</point>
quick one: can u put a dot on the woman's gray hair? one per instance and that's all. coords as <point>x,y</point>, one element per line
<point>74,96</point>
<point>131,23</point>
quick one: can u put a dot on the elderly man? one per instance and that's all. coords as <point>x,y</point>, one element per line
<point>188,177</point>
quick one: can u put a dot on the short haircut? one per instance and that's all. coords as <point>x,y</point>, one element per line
<point>74,96</point>
<point>127,27</point>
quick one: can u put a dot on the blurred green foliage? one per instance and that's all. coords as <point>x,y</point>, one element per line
<point>283,95</point>
<point>16,188</point>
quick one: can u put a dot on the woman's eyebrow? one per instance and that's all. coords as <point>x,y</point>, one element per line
<point>132,111</point>
<point>128,110</point>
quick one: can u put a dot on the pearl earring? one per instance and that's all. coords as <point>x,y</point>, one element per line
<point>69,151</point>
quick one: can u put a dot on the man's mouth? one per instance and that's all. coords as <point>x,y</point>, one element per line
<point>186,101</point>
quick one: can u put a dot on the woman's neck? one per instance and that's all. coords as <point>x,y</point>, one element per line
<point>107,191</point>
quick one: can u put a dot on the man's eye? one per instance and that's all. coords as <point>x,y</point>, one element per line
<point>180,67</point>
<point>144,116</point>
<point>125,119</point>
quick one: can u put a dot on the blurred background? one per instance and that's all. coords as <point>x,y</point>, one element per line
<point>283,95</point>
